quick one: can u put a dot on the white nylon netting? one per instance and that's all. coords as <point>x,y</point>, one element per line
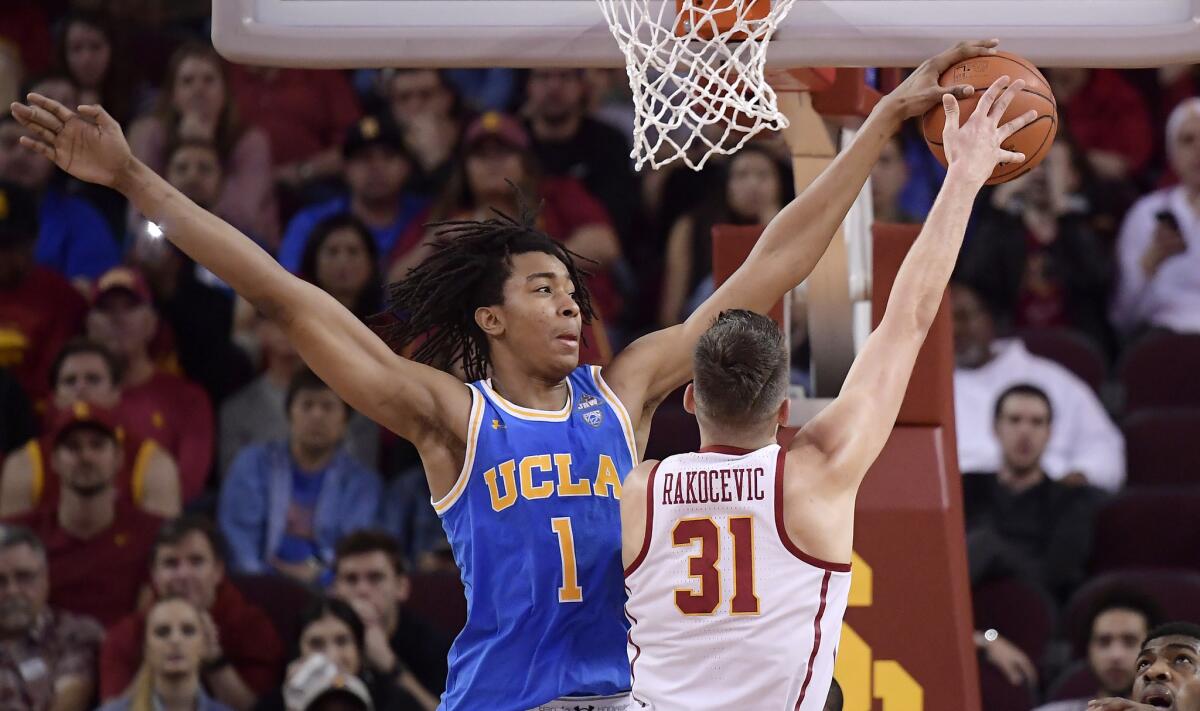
<point>695,97</point>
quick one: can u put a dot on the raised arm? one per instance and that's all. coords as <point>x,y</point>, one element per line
<point>843,440</point>
<point>419,403</point>
<point>793,242</point>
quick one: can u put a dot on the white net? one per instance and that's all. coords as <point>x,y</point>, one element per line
<point>697,75</point>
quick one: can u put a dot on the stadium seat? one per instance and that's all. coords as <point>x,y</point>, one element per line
<point>673,430</point>
<point>438,599</point>
<point>1019,610</point>
<point>1176,592</point>
<point>1070,349</point>
<point>1076,682</point>
<point>1160,447</point>
<point>282,599</point>
<point>1163,370</point>
<point>998,694</point>
<point>1148,528</point>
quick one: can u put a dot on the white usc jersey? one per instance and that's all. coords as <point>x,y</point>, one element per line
<point>725,611</point>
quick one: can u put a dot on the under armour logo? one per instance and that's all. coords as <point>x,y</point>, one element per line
<point>497,425</point>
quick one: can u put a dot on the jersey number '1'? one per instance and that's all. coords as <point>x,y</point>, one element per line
<point>570,590</point>
<point>703,566</point>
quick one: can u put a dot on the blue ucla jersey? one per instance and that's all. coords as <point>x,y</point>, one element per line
<point>535,523</point>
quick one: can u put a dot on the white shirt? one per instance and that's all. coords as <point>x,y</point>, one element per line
<point>1082,436</point>
<point>1171,298</point>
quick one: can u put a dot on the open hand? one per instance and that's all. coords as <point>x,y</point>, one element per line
<point>973,149</point>
<point>89,144</point>
<point>921,91</point>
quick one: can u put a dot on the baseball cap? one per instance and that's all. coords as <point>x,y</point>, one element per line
<point>319,677</point>
<point>18,215</point>
<point>83,414</point>
<point>125,279</point>
<point>498,126</point>
<point>374,131</point>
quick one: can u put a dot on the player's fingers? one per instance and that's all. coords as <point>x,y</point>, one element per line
<point>1011,157</point>
<point>1001,105</point>
<point>964,50</point>
<point>989,97</point>
<point>960,91</point>
<point>41,132</point>
<point>32,116</point>
<point>950,106</point>
<point>97,113</point>
<point>1017,124</point>
<point>46,150</point>
<point>62,113</point>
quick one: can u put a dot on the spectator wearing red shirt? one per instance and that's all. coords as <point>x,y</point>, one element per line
<point>305,113</point>
<point>168,408</point>
<point>1109,119</point>
<point>39,310</point>
<point>97,550</point>
<point>188,561</point>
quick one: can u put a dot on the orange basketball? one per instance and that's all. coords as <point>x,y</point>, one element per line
<point>1033,140</point>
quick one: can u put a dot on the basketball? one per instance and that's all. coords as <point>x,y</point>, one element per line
<point>1033,140</point>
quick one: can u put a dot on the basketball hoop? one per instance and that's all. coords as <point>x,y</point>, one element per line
<point>697,73</point>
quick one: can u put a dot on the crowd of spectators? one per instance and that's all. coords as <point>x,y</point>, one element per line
<point>168,465</point>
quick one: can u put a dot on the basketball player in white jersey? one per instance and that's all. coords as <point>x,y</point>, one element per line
<point>737,556</point>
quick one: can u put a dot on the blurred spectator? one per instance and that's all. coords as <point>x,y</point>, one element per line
<point>72,238</point>
<point>47,657</point>
<point>568,142</point>
<point>244,658</point>
<point>426,108</point>
<point>1021,523</point>
<point>39,311</point>
<point>163,406</point>
<point>888,178</point>
<point>490,89</point>
<point>86,540</point>
<point>319,685</point>
<point>756,187</point>
<point>1108,117</point>
<point>196,105</point>
<point>331,629</point>
<point>285,504</point>
<point>1159,247</point>
<point>610,100</point>
<point>17,423</point>
<point>1116,626</point>
<point>1036,256</point>
<point>341,257</point>
<point>407,515</point>
<point>305,113</point>
<point>497,156</point>
<point>85,372</point>
<point>89,52</point>
<point>176,644</point>
<point>196,306</point>
<point>25,33</point>
<point>1007,657</point>
<point>377,168</point>
<point>257,413</point>
<point>1085,446</point>
<point>55,85</point>
<point>370,574</point>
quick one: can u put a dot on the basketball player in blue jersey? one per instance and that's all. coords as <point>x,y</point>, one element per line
<point>524,466</point>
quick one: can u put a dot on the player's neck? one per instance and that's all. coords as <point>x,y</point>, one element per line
<point>751,440</point>
<point>530,391</point>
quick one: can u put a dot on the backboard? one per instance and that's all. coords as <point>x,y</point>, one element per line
<point>527,33</point>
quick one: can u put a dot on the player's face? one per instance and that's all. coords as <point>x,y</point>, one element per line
<point>333,638</point>
<point>87,459</point>
<point>188,569</point>
<point>24,588</point>
<point>19,164</point>
<point>376,174</point>
<point>973,330</point>
<point>198,88</point>
<point>343,263</point>
<point>122,322</point>
<point>85,377</point>
<point>174,638</point>
<point>317,419</point>
<point>1168,674</point>
<point>1185,150</point>
<point>1023,429</point>
<point>196,172</point>
<point>88,54</point>
<point>753,186</point>
<point>1113,649</point>
<point>539,320</point>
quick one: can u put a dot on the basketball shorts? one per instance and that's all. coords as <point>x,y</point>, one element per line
<point>619,702</point>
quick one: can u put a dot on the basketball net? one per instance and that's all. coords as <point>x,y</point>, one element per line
<point>697,74</point>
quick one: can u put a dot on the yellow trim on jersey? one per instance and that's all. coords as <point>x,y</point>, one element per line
<point>38,467</point>
<point>615,403</point>
<point>526,413</point>
<point>460,485</point>
<point>141,463</point>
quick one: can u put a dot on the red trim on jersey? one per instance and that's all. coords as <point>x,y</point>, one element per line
<point>724,449</point>
<point>788,543</point>
<point>649,523</point>
<point>812,658</point>
<point>636,656</point>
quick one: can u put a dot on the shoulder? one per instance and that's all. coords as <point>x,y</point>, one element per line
<point>634,490</point>
<point>249,459</point>
<point>79,630</point>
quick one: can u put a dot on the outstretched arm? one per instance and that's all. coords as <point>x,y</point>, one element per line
<point>415,401</point>
<point>793,242</point>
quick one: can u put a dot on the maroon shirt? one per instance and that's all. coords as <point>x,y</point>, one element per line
<point>101,576</point>
<point>38,316</point>
<point>176,413</point>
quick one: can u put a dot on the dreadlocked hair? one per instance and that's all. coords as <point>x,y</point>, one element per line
<point>467,269</point>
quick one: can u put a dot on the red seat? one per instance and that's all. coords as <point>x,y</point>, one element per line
<point>1161,447</point>
<point>1162,370</point>
<point>998,694</point>
<point>1076,682</point>
<point>1020,611</point>
<point>1176,592</point>
<point>1148,528</point>
<point>673,429</point>
<point>439,599</point>
<point>281,598</point>
<point>1070,349</point>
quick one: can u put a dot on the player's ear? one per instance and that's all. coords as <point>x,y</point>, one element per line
<point>489,320</point>
<point>689,399</point>
<point>785,412</point>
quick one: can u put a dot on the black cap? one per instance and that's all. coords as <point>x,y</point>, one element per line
<point>18,215</point>
<point>374,131</point>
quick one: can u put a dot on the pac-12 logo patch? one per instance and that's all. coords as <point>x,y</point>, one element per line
<point>593,417</point>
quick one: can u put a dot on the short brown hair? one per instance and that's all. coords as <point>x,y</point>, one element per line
<point>741,369</point>
<point>370,540</point>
